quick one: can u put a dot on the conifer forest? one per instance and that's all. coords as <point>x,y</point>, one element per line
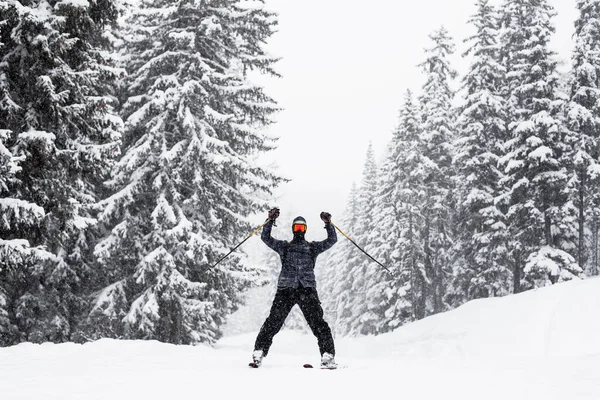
<point>129,134</point>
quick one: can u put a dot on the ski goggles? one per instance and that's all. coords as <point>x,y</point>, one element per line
<point>299,228</point>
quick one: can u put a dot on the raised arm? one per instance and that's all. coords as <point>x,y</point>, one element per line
<point>319,247</point>
<point>277,245</point>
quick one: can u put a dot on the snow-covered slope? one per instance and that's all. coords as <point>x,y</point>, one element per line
<point>562,320</point>
<point>543,344</point>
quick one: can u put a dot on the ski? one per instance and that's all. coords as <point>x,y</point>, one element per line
<point>310,366</point>
<point>307,365</point>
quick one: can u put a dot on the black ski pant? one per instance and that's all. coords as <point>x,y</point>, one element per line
<point>285,299</point>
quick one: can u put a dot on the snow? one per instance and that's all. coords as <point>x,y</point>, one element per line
<point>144,310</point>
<point>210,112</point>
<point>525,127</point>
<point>513,164</point>
<point>163,210</point>
<point>20,244</point>
<point>105,301</point>
<point>32,135</point>
<point>42,12</point>
<point>73,3</point>
<point>183,36</point>
<point>83,222</point>
<point>594,171</point>
<point>211,25</point>
<point>541,154</point>
<point>542,344</point>
<point>21,208</point>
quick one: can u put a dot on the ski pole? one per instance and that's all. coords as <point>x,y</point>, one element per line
<point>358,247</point>
<point>241,243</point>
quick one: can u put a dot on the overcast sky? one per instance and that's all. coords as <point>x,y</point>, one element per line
<point>346,65</point>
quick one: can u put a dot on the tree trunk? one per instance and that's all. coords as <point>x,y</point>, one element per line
<point>428,270</point>
<point>517,272</point>
<point>413,270</point>
<point>547,224</point>
<point>595,269</point>
<point>581,245</point>
<point>438,276</point>
<point>420,303</point>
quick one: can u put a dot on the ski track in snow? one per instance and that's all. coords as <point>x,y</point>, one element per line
<point>543,344</point>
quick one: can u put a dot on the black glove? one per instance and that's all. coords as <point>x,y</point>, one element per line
<point>273,214</point>
<point>326,217</point>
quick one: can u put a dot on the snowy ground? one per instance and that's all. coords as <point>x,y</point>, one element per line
<point>538,345</point>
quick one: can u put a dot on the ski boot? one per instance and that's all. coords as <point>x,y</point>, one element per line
<point>328,361</point>
<point>257,357</point>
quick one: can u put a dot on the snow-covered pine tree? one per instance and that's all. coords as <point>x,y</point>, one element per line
<point>348,282</point>
<point>409,199</point>
<point>594,242</point>
<point>18,256</point>
<point>361,265</point>
<point>535,180</point>
<point>336,278</point>
<point>188,180</point>
<point>481,130</point>
<point>393,240</point>
<point>60,127</point>
<point>436,137</point>
<point>379,284</point>
<point>583,120</point>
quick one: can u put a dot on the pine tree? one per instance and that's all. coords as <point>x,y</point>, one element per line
<point>361,265</point>
<point>481,133</point>
<point>379,283</point>
<point>583,120</point>
<point>436,139</point>
<point>187,180</point>
<point>535,179</point>
<point>61,128</point>
<point>393,242</point>
<point>409,194</point>
<point>347,267</point>
<point>594,242</point>
<point>18,256</point>
<point>337,299</point>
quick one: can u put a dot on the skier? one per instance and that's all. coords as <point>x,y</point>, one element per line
<point>297,285</point>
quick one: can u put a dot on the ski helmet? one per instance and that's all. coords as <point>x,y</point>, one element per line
<point>299,225</point>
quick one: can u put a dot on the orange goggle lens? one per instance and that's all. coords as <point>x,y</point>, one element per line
<point>299,228</point>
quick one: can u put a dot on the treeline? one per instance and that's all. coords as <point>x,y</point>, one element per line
<point>128,136</point>
<point>497,196</point>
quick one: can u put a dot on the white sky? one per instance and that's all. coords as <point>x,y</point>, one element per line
<point>346,66</point>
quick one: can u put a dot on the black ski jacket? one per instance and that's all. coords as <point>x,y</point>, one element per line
<point>298,257</point>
